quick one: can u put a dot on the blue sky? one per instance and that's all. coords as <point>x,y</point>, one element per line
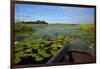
<point>53,14</point>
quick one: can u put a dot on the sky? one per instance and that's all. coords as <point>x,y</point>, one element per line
<point>54,14</point>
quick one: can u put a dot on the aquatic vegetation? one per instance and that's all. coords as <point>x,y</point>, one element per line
<point>17,60</point>
<point>19,54</point>
<point>53,52</point>
<point>43,53</point>
<point>38,58</point>
<point>28,50</point>
<point>43,42</point>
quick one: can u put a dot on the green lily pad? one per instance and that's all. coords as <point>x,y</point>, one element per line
<point>46,55</point>
<point>36,46</point>
<point>17,59</point>
<point>43,53</point>
<point>53,52</point>
<point>19,54</point>
<point>28,50</point>
<point>34,55</point>
<point>19,49</point>
<point>38,58</point>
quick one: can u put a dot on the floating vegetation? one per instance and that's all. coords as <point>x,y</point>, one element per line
<point>38,58</point>
<point>44,42</point>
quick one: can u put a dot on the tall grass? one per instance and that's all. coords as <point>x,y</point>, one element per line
<point>21,28</point>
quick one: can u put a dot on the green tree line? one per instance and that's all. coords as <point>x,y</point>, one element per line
<point>33,22</point>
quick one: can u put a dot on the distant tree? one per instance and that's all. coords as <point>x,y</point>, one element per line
<point>38,21</point>
<point>41,22</point>
<point>33,22</point>
<point>44,22</point>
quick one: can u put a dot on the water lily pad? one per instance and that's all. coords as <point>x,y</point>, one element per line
<point>17,59</point>
<point>43,53</point>
<point>53,52</point>
<point>46,55</point>
<point>34,55</point>
<point>19,54</point>
<point>38,58</point>
<point>28,50</point>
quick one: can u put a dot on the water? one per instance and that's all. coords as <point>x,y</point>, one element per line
<point>50,31</point>
<point>19,39</point>
<point>54,31</point>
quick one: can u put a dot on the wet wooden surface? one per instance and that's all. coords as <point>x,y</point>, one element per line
<point>79,57</point>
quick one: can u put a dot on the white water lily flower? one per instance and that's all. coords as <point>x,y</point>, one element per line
<point>16,42</point>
